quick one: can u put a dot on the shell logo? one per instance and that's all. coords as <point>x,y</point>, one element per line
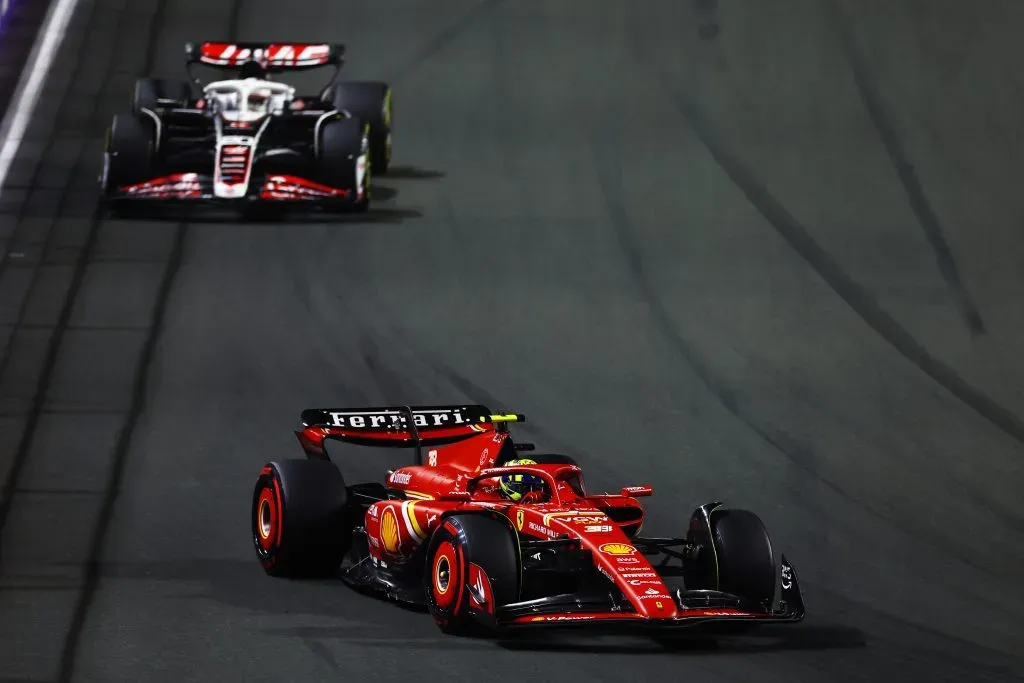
<point>389,530</point>
<point>617,549</point>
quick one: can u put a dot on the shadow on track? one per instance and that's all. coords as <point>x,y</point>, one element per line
<point>376,214</point>
<point>413,173</point>
<point>371,621</point>
<point>797,637</point>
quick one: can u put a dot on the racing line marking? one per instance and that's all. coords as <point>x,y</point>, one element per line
<point>30,85</point>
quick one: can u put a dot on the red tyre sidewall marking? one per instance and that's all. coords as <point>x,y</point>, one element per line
<point>446,551</point>
<point>460,556</point>
<point>279,506</point>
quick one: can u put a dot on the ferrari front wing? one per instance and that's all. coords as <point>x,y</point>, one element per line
<point>705,609</point>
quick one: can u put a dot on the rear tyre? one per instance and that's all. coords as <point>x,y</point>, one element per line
<point>152,93</point>
<point>344,158</point>
<point>300,520</point>
<point>128,156</point>
<point>371,102</point>
<point>471,550</point>
<point>746,562</point>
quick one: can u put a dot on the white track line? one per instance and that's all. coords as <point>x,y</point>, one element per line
<point>30,85</point>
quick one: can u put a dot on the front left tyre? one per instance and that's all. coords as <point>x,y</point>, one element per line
<point>300,520</point>
<point>473,564</point>
<point>344,158</point>
<point>733,554</point>
<point>370,102</point>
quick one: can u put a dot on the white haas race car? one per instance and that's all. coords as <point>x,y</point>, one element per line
<point>249,140</point>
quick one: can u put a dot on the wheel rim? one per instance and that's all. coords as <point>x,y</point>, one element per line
<point>446,576</point>
<point>443,575</point>
<point>266,524</point>
<point>267,520</point>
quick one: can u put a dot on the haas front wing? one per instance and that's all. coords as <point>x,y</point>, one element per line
<point>269,187</point>
<point>268,166</point>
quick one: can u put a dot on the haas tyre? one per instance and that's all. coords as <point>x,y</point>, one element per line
<point>128,157</point>
<point>370,102</point>
<point>473,564</point>
<point>153,93</point>
<point>342,158</point>
<point>300,524</point>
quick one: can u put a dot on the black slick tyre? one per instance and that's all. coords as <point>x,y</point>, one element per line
<point>343,159</point>
<point>471,555</point>
<point>129,152</point>
<point>371,102</point>
<point>746,562</point>
<point>155,93</point>
<point>300,521</point>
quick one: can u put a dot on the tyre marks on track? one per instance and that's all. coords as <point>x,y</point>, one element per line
<point>444,38</point>
<point>47,249</point>
<point>137,406</point>
<point>916,195</point>
<point>21,240</point>
<point>851,292</point>
<point>124,442</point>
<point>775,436</point>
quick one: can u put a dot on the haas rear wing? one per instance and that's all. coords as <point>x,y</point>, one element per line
<point>273,56</point>
<point>398,426</point>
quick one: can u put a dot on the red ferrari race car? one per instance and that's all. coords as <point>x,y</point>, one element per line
<point>488,538</point>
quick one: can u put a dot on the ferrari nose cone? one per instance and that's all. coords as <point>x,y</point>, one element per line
<point>658,603</point>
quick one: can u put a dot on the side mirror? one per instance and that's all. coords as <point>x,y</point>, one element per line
<point>637,491</point>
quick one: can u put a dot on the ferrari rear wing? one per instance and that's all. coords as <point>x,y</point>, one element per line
<point>398,426</point>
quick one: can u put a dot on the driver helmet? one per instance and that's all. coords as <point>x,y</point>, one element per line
<point>253,69</point>
<point>515,486</point>
<point>258,102</point>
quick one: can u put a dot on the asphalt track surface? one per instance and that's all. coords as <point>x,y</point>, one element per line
<point>766,253</point>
